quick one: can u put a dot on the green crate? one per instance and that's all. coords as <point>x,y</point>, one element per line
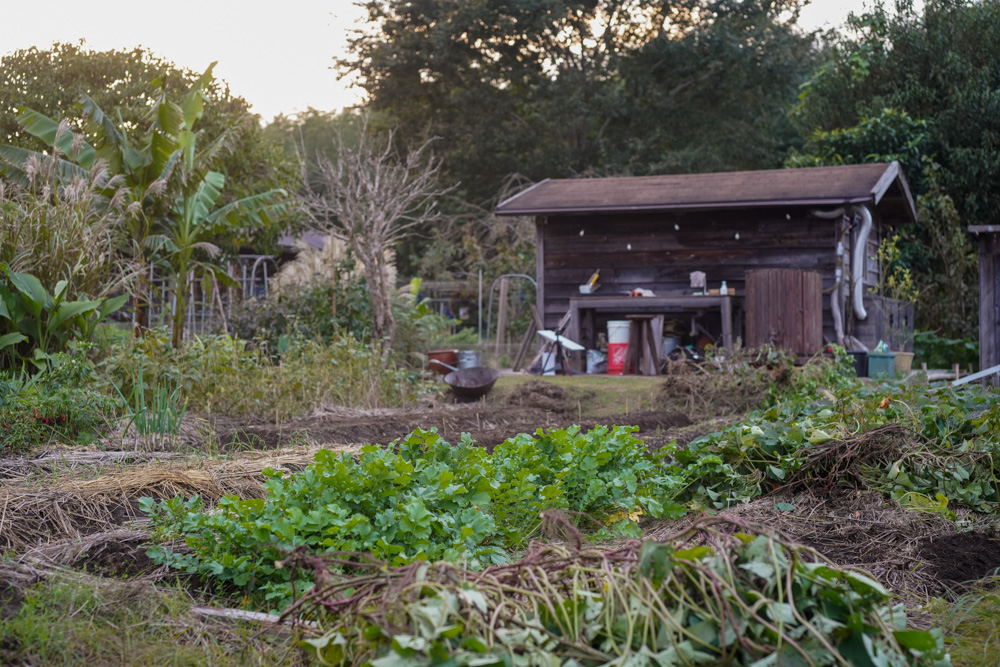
<point>881,364</point>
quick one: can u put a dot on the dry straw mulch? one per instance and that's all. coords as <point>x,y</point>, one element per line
<point>862,529</point>
<point>31,516</point>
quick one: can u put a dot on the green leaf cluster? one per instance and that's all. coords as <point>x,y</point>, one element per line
<point>62,402</point>
<point>957,453</point>
<point>422,499</point>
<point>35,323</point>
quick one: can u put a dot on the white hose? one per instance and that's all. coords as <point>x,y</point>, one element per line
<point>858,264</point>
<point>827,215</point>
<point>835,309</point>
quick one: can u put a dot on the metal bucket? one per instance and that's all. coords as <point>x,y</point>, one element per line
<point>469,359</point>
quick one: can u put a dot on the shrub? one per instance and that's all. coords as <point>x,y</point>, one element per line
<point>304,309</point>
<point>62,403</point>
<point>940,352</point>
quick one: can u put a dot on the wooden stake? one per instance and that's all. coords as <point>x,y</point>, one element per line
<point>502,316</point>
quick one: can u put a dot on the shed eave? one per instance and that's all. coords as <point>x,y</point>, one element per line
<point>700,206</point>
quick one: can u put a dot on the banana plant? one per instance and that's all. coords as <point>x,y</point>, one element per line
<point>45,322</point>
<point>148,167</point>
<point>167,175</point>
<point>186,241</point>
<point>186,236</point>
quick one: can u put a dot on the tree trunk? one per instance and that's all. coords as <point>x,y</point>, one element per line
<point>140,297</point>
<point>380,293</point>
<point>180,310</point>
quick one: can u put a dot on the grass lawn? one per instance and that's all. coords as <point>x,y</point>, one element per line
<point>597,395</point>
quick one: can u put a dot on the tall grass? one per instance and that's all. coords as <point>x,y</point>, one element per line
<point>222,375</point>
<point>64,232</point>
<point>158,413</point>
<point>972,624</point>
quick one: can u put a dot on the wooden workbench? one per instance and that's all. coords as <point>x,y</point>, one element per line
<point>584,305</point>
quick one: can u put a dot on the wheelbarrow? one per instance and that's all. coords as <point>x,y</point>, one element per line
<point>469,384</point>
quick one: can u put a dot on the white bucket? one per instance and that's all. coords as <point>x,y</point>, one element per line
<point>618,331</point>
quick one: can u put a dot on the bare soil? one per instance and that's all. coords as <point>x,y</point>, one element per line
<point>962,558</point>
<point>531,408</point>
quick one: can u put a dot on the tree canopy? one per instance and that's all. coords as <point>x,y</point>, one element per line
<point>921,87</point>
<point>127,84</point>
<point>937,65</point>
<point>554,88</point>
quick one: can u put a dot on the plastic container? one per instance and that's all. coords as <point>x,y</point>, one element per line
<point>670,343</point>
<point>881,364</point>
<point>860,362</point>
<point>617,345</point>
<point>469,359</point>
<point>449,357</point>
<point>596,362</point>
<point>904,362</point>
<point>548,363</point>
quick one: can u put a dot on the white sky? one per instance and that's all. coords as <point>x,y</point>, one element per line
<point>277,55</point>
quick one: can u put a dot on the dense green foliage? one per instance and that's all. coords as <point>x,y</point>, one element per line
<point>954,454</point>
<point>426,501</point>
<point>35,323</point>
<point>557,88</point>
<point>305,310</point>
<point>934,64</point>
<point>939,352</point>
<point>64,402</point>
<point>919,85</point>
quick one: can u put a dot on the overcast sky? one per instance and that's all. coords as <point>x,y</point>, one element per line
<point>277,55</point>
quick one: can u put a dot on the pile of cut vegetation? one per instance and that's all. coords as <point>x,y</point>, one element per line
<point>720,592</point>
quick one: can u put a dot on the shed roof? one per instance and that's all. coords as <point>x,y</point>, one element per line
<point>881,185</point>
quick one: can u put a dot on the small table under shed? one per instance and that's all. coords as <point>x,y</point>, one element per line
<point>586,306</point>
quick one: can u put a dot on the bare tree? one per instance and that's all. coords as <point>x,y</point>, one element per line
<point>373,198</point>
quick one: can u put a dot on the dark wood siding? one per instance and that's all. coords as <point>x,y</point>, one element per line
<point>989,299</point>
<point>784,308</point>
<point>658,251</point>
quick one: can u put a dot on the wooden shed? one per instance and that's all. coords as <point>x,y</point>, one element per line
<point>989,296</point>
<point>652,232</point>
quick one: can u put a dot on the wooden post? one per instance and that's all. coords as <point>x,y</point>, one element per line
<point>502,316</point>
<point>540,267</point>
<point>989,296</point>
<point>727,322</point>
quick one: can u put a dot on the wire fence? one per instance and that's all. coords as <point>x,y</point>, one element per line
<point>210,303</point>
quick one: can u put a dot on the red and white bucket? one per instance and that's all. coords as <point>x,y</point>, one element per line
<point>617,345</point>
